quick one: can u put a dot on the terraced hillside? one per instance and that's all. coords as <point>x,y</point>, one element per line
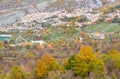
<point>11,10</point>
<point>19,8</point>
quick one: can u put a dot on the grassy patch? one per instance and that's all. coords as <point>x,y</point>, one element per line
<point>60,32</point>
<point>103,27</point>
<point>114,36</point>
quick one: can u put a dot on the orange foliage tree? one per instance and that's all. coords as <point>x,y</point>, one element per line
<point>45,64</point>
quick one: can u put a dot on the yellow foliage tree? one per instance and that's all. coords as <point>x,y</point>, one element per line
<point>45,64</point>
<point>41,69</point>
<point>50,62</point>
<point>107,8</point>
<point>86,62</point>
<point>15,73</point>
<point>112,59</point>
<point>1,44</point>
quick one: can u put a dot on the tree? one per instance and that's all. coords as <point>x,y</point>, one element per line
<point>102,18</point>
<point>29,55</point>
<point>104,1</point>
<point>51,63</point>
<point>1,76</point>
<point>112,60</point>
<point>108,8</point>
<point>116,20</point>
<point>86,62</point>
<point>112,63</point>
<point>45,64</point>
<point>15,73</point>
<point>2,44</point>
<point>41,69</point>
<point>27,46</point>
<point>82,19</point>
<point>104,10</point>
<point>118,7</point>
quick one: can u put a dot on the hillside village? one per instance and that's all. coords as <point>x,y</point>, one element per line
<point>57,18</point>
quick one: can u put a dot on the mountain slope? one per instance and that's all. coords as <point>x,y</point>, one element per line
<point>10,10</point>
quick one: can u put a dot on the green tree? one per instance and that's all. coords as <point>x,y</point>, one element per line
<point>117,7</point>
<point>112,63</point>
<point>27,46</point>
<point>112,59</point>
<point>29,55</point>
<point>15,73</point>
<point>82,19</point>
<point>116,20</point>
<point>1,76</point>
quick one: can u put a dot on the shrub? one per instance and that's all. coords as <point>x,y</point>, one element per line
<point>27,46</point>
<point>108,8</point>
<point>102,18</point>
<point>82,19</point>
<point>117,7</point>
<point>116,20</point>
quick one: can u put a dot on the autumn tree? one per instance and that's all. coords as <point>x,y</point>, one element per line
<point>108,8</point>
<point>29,32</point>
<point>86,62</point>
<point>112,61</point>
<point>29,55</point>
<point>104,1</point>
<point>1,76</point>
<point>2,44</point>
<point>15,73</point>
<point>44,65</point>
<point>41,69</point>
